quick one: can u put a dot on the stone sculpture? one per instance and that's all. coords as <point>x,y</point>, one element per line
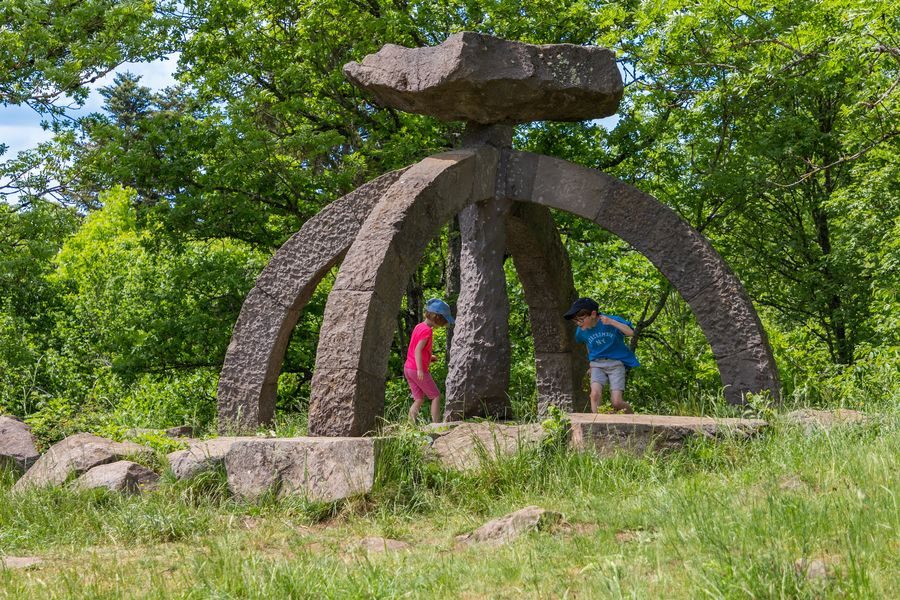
<point>379,232</point>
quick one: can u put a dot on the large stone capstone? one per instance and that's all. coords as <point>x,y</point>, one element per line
<point>480,78</point>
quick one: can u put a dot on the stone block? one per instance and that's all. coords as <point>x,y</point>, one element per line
<point>319,469</point>
<point>17,448</point>
<point>202,456</point>
<point>465,447</point>
<point>484,79</point>
<point>119,476</point>
<point>75,455</point>
<point>607,434</point>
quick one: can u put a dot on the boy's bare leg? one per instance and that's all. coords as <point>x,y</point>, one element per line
<point>596,396</point>
<point>436,410</point>
<point>414,409</point>
<point>618,401</point>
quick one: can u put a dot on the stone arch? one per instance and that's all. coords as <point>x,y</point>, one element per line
<point>718,300</point>
<point>360,315</point>
<point>348,385</point>
<point>253,361</point>
<point>542,264</point>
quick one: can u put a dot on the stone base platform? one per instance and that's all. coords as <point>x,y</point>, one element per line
<point>608,433</point>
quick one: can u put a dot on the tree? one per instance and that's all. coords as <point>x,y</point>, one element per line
<point>56,48</point>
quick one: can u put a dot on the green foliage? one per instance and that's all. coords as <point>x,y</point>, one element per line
<point>556,428</point>
<point>51,49</point>
<point>771,129</point>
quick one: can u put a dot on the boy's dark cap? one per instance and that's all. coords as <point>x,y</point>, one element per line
<point>581,304</point>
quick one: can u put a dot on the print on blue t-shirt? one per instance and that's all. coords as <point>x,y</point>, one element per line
<point>605,342</point>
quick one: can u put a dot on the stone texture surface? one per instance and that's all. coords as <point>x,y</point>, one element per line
<point>348,388</point>
<point>467,445</point>
<point>812,419</point>
<point>20,562</point>
<point>119,476</point>
<point>717,298</point>
<point>480,78</point>
<point>543,267</point>
<point>249,377</point>
<point>320,469</point>
<point>508,528</point>
<point>637,433</point>
<point>186,431</point>
<point>202,456</point>
<point>478,370</point>
<point>76,454</point>
<point>17,449</point>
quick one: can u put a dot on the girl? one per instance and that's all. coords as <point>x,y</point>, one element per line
<point>419,357</point>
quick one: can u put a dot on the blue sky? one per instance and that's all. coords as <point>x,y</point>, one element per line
<point>20,127</point>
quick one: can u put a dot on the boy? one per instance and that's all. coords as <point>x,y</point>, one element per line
<point>604,336</point>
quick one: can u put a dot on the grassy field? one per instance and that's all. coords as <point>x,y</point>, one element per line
<point>728,519</point>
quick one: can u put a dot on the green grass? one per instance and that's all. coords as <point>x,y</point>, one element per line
<point>724,519</point>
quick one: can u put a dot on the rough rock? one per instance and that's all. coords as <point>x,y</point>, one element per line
<point>347,394</point>
<point>636,433</point>
<point>186,431</point>
<point>20,562</point>
<point>320,469</point>
<point>721,305</point>
<point>17,449</point>
<point>120,476</point>
<point>201,456</point>
<point>816,569</point>
<point>545,272</point>
<point>465,446</point>
<point>380,544</point>
<point>811,419</point>
<point>508,528</point>
<point>76,454</point>
<point>480,78</point>
<point>249,378</point>
<point>478,369</point>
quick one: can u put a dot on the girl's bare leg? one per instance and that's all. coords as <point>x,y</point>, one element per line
<point>414,409</point>
<point>436,410</point>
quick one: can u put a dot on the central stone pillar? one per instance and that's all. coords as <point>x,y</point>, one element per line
<point>478,377</point>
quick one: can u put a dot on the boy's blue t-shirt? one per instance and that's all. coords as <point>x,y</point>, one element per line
<point>605,342</point>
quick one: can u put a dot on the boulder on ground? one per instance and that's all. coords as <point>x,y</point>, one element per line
<point>465,445</point>
<point>607,434</point>
<point>201,456</point>
<point>506,529</point>
<point>20,562</point>
<point>318,468</point>
<point>17,448</point>
<point>811,419</point>
<point>120,476</point>
<point>76,454</point>
<point>186,431</point>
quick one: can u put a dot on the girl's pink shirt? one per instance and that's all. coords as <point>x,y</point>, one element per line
<point>421,332</point>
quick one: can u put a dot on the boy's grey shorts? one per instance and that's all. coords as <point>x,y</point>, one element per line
<point>610,372</point>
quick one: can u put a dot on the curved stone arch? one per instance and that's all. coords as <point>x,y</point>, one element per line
<point>348,385</point>
<point>542,265</point>
<point>249,378</point>
<point>360,315</point>
<point>684,257</point>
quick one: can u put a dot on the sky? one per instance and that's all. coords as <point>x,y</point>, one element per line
<point>20,126</point>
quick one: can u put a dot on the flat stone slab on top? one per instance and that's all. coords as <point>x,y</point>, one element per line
<point>608,433</point>
<point>484,79</point>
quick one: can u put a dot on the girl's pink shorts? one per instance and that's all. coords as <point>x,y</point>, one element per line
<point>421,388</point>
